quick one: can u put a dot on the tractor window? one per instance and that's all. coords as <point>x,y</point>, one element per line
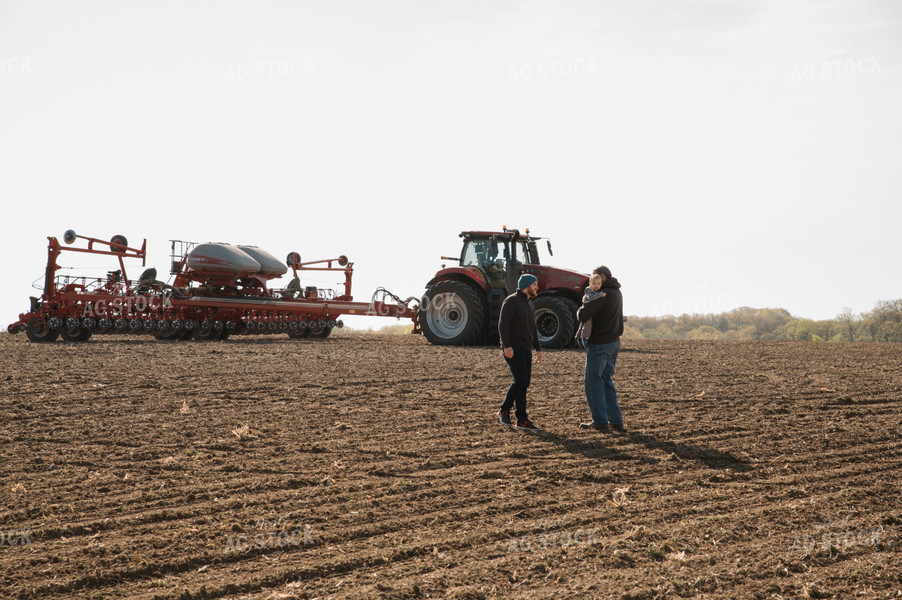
<point>479,253</point>
<point>526,252</point>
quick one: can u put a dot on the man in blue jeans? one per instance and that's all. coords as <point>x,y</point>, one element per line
<point>606,312</point>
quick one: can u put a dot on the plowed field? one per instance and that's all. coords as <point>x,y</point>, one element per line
<point>374,467</point>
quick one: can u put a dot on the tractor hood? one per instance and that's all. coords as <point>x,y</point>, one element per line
<point>553,277</point>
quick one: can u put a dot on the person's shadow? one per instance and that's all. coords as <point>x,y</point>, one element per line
<point>714,459</point>
<point>597,449</point>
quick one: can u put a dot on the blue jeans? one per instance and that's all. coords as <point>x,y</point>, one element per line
<point>600,392</point>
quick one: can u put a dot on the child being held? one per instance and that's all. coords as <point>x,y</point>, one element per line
<point>592,292</point>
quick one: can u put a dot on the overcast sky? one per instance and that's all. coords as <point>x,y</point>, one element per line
<point>713,154</point>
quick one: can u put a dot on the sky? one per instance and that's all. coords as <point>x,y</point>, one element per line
<point>712,154</point>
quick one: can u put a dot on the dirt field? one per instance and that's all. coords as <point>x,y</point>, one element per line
<point>373,467</point>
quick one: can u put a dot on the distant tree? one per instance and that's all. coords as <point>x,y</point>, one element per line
<point>767,320</point>
<point>686,323</point>
<point>797,330</point>
<point>825,330</point>
<point>631,333</point>
<point>848,324</point>
<point>742,317</point>
<point>884,322</point>
<point>870,329</point>
<point>896,333</point>
<point>666,329</point>
<point>705,332</point>
<point>746,333</point>
<point>718,322</point>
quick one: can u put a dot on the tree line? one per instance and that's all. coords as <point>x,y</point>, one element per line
<point>882,324</point>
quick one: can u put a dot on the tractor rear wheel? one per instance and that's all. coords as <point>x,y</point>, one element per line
<point>37,330</point>
<point>555,321</point>
<point>453,314</point>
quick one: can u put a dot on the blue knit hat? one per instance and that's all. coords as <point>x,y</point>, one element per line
<point>525,281</point>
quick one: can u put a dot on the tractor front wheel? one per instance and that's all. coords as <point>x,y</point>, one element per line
<point>555,321</point>
<point>453,314</point>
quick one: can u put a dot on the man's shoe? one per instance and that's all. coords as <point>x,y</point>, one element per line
<point>595,426</point>
<point>505,417</point>
<point>619,428</point>
<point>526,426</point>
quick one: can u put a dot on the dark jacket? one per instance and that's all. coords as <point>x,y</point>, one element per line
<point>606,314</point>
<point>517,323</point>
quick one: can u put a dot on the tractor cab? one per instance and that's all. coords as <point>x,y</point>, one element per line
<point>499,256</point>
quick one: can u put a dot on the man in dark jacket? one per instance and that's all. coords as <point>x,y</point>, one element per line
<point>517,331</point>
<point>606,312</point>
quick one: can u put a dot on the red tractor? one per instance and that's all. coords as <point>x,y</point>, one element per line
<point>462,304</point>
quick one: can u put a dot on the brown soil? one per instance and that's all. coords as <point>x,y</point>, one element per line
<point>374,467</point>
